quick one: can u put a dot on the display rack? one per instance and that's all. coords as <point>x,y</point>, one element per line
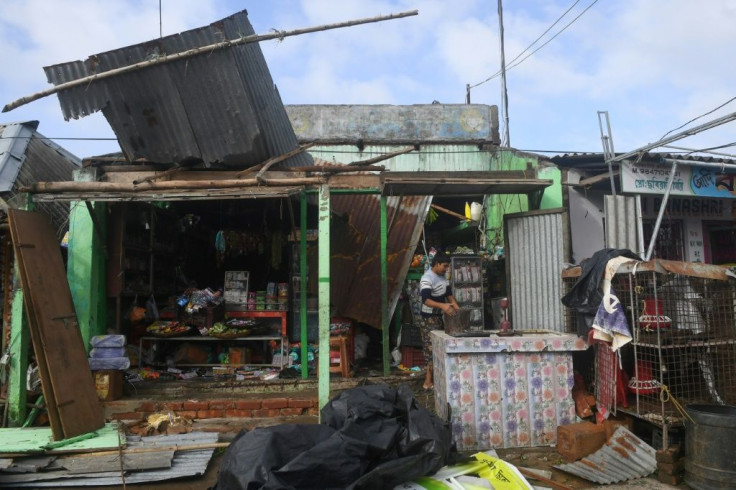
<point>281,336</point>
<point>466,280</point>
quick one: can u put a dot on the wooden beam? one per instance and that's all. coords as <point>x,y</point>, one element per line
<point>271,161</point>
<point>597,178</point>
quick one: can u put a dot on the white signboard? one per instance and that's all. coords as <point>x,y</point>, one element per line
<point>689,181</point>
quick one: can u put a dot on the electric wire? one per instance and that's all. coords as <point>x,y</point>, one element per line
<point>512,64</point>
<point>696,118</point>
<point>532,44</point>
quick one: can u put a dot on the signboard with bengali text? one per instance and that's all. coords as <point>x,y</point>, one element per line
<point>689,181</point>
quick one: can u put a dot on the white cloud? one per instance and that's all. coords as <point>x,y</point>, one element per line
<point>653,64</point>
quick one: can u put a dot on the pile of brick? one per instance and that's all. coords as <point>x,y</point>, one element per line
<point>671,465</point>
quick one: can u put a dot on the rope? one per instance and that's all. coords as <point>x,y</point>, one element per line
<point>665,396</point>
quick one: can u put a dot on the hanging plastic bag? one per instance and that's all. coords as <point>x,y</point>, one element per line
<point>151,312</point>
<point>136,313</point>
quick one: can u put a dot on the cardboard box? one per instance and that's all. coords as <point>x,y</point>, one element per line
<point>575,441</point>
<point>109,385</point>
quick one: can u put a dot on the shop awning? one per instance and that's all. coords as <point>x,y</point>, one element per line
<point>203,185</point>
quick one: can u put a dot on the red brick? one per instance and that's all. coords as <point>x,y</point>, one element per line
<point>127,416</point>
<point>275,403</point>
<point>669,479</point>
<point>267,413</point>
<point>248,404</point>
<point>672,468</point>
<point>575,441</point>
<point>188,414</point>
<point>194,405</point>
<point>238,413</point>
<point>288,412</point>
<point>148,406</point>
<point>175,406</point>
<point>314,412</point>
<point>669,455</point>
<point>222,404</point>
<point>302,403</point>
<point>210,414</point>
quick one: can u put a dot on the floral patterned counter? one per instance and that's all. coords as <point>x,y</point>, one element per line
<point>504,391</point>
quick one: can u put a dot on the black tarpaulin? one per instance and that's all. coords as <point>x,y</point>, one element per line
<point>369,437</point>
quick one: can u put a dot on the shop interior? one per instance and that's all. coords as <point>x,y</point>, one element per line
<point>180,270</point>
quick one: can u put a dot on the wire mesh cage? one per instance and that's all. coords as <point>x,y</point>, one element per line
<point>682,317</point>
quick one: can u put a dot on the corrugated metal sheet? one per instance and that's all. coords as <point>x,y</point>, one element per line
<point>536,254</point>
<point>26,156</point>
<point>621,224</point>
<point>14,139</point>
<point>356,256</point>
<point>218,108</point>
<point>185,463</point>
<point>623,457</point>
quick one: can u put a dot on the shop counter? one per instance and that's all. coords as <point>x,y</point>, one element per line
<point>501,392</point>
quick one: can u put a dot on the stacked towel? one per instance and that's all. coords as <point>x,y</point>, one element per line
<point>108,352</point>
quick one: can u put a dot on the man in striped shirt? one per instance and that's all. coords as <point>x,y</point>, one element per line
<point>436,299</point>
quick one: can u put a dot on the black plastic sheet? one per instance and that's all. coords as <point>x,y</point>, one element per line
<point>369,437</point>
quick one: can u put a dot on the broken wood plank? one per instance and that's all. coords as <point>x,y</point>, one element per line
<point>30,464</point>
<point>97,463</point>
<point>45,285</point>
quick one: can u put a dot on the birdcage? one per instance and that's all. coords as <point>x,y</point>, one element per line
<point>682,319</point>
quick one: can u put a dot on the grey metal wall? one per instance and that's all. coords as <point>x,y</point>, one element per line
<point>537,251</point>
<point>621,222</point>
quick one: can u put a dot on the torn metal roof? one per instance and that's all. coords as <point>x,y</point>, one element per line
<point>623,457</point>
<point>219,108</point>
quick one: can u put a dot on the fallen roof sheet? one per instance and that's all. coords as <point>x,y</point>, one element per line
<point>185,464</point>
<point>218,108</point>
<point>623,457</point>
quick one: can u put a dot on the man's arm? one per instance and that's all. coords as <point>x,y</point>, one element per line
<point>446,307</point>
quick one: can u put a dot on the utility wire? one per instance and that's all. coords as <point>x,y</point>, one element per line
<point>532,44</point>
<point>696,118</point>
<point>512,64</point>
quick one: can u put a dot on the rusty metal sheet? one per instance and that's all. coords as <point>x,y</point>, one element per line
<point>623,457</point>
<point>221,108</point>
<point>355,265</point>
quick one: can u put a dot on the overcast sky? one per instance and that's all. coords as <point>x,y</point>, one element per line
<point>652,64</point>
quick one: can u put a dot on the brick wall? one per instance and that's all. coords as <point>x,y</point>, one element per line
<point>215,408</point>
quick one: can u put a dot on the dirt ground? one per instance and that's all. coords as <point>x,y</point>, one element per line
<point>543,458</point>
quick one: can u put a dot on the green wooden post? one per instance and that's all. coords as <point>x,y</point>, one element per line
<point>18,362</point>
<point>86,269</point>
<point>323,231</point>
<point>303,334</point>
<point>384,291</point>
<point>86,262</point>
<point>19,346</point>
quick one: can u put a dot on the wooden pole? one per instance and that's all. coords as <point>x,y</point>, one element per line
<point>381,158</point>
<point>271,161</point>
<point>254,38</point>
<point>447,211</point>
<point>59,187</point>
